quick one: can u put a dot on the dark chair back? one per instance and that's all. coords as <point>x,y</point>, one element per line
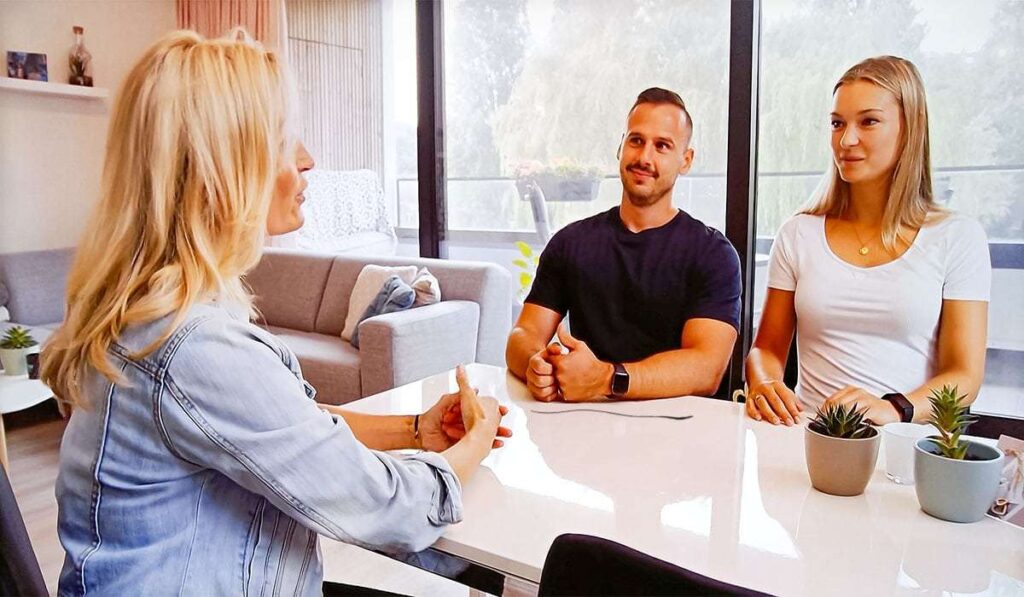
<point>19,568</point>
<point>585,565</point>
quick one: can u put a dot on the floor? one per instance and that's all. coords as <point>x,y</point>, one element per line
<point>33,455</point>
<point>33,450</point>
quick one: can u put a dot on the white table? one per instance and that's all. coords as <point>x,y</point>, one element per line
<point>18,392</point>
<point>718,494</point>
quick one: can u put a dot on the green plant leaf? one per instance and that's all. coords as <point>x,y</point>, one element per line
<point>838,420</point>
<point>17,337</point>
<point>951,417</point>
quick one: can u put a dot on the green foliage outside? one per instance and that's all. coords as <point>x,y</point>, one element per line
<point>514,95</point>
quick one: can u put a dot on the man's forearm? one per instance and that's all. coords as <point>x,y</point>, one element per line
<point>682,372</point>
<point>521,346</point>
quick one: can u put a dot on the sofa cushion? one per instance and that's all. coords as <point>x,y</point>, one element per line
<point>334,307</point>
<point>329,364</point>
<point>36,282</point>
<point>488,285</point>
<point>394,296</point>
<point>428,289</point>
<point>289,287</point>
<point>368,284</point>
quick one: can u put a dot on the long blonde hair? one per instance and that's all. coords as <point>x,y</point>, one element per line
<point>910,192</point>
<point>195,141</point>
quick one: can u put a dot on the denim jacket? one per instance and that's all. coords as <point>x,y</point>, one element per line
<point>212,471</point>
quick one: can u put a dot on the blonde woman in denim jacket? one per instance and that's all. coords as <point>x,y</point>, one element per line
<point>196,461</point>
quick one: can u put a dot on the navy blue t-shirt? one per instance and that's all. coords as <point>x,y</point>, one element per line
<point>628,294</point>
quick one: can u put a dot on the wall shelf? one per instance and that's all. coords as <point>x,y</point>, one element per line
<point>59,89</point>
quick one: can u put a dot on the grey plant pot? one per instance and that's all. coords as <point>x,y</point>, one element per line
<point>840,466</point>
<point>956,490</point>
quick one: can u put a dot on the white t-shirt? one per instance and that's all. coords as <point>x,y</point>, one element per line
<point>875,328</point>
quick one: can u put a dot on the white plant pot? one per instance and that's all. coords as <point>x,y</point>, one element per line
<point>13,360</point>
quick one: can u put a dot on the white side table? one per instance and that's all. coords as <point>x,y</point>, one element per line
<point>18,392</point>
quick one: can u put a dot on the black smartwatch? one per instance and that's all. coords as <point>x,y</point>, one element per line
<point>903,406</point>
<point>620,381</point>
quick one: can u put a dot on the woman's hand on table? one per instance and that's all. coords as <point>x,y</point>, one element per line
<point>446,422</point>
<point>876,410</point>
<point>772,401</point>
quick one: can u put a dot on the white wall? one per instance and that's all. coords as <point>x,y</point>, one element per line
<point>51,148</point>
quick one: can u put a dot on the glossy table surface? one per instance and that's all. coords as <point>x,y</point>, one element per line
<point>718,493</point>
<point>18,392</point>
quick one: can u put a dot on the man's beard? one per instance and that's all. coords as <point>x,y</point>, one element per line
<point>647,199</point>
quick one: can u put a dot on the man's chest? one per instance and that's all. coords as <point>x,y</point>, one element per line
<point>649,280</point>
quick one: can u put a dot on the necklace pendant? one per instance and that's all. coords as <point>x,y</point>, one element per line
<point>863,250</point>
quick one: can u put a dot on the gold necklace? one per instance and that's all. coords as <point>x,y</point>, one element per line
<point>864,249</point>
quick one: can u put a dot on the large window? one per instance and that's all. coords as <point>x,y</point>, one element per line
<point>970,61</point>
<point>355,69</point>
<point>536,96</point>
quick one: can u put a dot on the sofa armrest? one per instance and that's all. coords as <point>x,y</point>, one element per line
<point>403,347</point>
<point>486,284</point>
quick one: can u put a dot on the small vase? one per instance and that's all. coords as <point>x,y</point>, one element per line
<point>79,61</point>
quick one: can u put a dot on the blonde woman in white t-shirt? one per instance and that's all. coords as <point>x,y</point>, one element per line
<point>888,292</point>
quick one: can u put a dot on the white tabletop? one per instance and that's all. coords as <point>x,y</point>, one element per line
<point>18,392</point>
<point>718,494</point>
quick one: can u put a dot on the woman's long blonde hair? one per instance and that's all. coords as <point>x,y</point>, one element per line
<point>195,141</point>
<point>910,192</point>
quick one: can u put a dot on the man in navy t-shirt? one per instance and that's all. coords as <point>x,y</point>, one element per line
<point>653,294</point>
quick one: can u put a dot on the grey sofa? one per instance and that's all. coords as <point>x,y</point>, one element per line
<point>32,288</point>
<point>303,299</point>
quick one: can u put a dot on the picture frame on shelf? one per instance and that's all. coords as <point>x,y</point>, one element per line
<point>27,65</point>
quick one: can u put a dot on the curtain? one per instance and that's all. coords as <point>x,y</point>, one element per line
<point>263,19</point>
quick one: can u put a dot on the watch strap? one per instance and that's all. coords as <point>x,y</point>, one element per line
<point>902,404</point>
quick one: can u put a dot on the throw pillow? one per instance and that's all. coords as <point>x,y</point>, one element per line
<point>395,295</point>
<point>368,284</point>
<point>428,289</point>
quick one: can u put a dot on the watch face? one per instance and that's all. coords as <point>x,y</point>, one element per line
<point>620,382</point>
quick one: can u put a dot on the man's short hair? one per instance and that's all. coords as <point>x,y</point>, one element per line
<point>657,95</point>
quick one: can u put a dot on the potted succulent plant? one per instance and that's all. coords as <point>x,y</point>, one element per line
<point>957,479</point>
<point>841,450</point>
<point>14,345</point>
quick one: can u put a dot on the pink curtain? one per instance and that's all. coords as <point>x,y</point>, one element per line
<point>264,19</point>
